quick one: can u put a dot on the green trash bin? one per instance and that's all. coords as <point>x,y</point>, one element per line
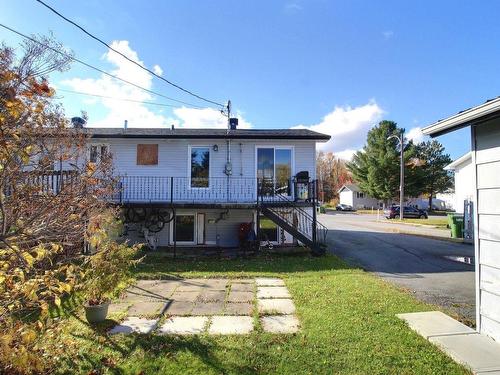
<point>457,229</point>
<point>450,216</point>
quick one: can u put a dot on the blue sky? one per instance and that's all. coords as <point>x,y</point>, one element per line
<point>337,67</point>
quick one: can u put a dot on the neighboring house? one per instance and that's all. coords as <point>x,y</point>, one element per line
<point>201,187</point>
<point>423,203</point>
<point>464,180</point>
<point>484,122</point>
<point>352,195</point>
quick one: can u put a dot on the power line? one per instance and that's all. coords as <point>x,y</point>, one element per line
<point>115,98</point>
<point>126,57</point>
<point>95,68</point>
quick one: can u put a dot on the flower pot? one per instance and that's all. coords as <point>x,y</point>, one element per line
<point>96,313</point>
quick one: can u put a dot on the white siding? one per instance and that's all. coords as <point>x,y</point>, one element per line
<point>487,160</point>
<point>174,159</point>
<point>464,184</point>
<point>346,197</point>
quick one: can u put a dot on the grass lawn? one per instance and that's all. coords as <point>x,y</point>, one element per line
<point>347,317</point>
<point>440,222</point>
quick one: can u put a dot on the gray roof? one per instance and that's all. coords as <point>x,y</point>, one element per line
<point>206,133</point>
<point>351,187</point>
<point>475,115</point>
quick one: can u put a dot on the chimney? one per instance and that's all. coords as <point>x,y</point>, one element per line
<point>233,123</point>
<point>78,122</point>
<point>125,124</point>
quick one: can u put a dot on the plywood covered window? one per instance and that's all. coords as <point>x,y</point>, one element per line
<point>147,154</point>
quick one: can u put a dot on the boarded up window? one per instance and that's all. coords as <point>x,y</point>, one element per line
<point>147,154</point>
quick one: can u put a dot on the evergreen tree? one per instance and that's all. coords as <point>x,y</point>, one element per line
<point>376,168</point>
<point>433,177</point>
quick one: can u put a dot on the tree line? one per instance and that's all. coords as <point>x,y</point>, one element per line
<point>376,167</point>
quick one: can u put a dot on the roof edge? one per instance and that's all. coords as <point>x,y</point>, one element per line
<point>452,166</point>
<point>463,118</point>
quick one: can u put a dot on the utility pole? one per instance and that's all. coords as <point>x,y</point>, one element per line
<point>228,107</point>
<point>401,139</point>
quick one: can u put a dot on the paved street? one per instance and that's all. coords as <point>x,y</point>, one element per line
<point>414,262</point>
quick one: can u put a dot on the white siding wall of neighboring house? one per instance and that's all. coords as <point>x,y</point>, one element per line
<point>486,157</point>
<point>464,184</point>
<point>346,197</point>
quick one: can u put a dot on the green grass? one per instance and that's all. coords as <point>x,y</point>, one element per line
<point>347,316</point>
<point>440,222</point>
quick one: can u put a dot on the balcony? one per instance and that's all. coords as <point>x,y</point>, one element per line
<point>213,190</point>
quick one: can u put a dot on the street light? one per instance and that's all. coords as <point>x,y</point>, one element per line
<point>400,139</point>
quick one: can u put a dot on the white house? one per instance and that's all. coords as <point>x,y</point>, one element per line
<point>464,181</point>
<point>202,187</point>
<point>352,195</point>
<point>484,123</point>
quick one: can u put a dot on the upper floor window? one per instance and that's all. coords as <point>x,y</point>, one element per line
<point>200,166</point>
<point>147,154</point>
<point>98,152</point>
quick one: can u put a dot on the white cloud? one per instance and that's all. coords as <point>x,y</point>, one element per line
<point>158,70</point>
<point>138,114</point>
<point>388,34</point>
<point>348,127</point>
<point>206,118</point>
<point>293,7</point>
<point>416,135</point>
<point>346,154</point>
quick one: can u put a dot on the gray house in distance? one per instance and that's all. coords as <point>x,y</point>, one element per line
<point>484,123</point>
<point>352,195</point>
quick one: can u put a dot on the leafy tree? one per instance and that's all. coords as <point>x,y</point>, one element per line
<point>332,174</point>
<point>43,211</point>
<point>376,168</point>
<point>433,177</point>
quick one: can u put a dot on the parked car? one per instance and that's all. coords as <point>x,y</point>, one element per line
<point>409,212</point>
<point>344,207</point>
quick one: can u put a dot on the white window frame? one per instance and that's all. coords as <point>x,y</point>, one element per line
<point>195,229</point>
<point>99,148</point>
<point>274,147</point>
<point>190,147</point>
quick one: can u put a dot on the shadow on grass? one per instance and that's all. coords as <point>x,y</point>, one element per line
<point>157,265</point>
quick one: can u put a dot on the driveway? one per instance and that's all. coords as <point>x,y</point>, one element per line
<point>413,262</point>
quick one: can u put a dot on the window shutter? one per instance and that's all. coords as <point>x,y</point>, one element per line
<point>147,154</point>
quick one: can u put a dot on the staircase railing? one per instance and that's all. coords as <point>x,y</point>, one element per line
<point>294,215</point>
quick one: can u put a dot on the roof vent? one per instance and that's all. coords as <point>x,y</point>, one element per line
<point>78,122</point>
<point>125,124</point>
<point>173,127</point>
<point>233,123</point>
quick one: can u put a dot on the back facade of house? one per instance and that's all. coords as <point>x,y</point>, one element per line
<point>202,187</point>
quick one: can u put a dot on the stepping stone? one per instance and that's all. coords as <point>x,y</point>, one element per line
<point>184,325</point>
<point>235,296</point>
<point>476,351</point>
<point>280,323</point>
<point>191,285</point>
<point>179,308</point>
<point>434,323</point>
<point>118,307</point>
<point>146,308</point>
<point>242,287</point>
<point>134,294</point>
<point>145,283</point>
<point>264,281</point>
<point>242,281</point>
<point>212,296</point>
<point>187,296</point>
<point>272,292</point>
<point>134,324</point>
<point>216,284</point>
<point>276,306</point>
<point>242,308</point>
<point>228,325</point>
<point>208,308</point>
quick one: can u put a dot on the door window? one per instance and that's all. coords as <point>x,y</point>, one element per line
<point>184,228</point>
<point>274,170</point>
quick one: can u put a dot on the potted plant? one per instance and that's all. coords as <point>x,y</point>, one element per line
<point>105,271</point>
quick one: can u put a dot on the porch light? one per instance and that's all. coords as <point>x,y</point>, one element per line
<point>216,148</point>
